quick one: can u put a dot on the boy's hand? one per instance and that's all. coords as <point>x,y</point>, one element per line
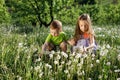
<point>71,42</point>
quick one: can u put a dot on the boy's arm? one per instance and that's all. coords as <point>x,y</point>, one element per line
<point>48,38</point>
<point>43,48</point>
<point>69,41</point>
<point>45,44</point>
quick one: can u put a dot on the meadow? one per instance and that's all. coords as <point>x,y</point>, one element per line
<point>20,46</point>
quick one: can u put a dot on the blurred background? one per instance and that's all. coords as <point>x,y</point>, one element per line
<point>42,12</point>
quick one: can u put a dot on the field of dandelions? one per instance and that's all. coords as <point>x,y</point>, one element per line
<point>19,49</point>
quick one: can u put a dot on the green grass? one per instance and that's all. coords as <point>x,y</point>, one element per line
<point>19,60</point>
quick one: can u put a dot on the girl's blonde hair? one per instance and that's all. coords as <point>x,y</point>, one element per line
<point>89,30</point>
<point>56,24</point>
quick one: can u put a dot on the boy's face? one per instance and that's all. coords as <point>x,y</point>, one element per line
<point>54,32</point>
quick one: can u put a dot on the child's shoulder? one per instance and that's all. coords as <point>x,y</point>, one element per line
<point>63,33</point>
<point>49,34</point>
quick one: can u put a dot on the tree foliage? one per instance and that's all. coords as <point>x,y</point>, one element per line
<point>36,11</point>
<point>42,12</point>
<point>4,15</point>
<point>86,1</point>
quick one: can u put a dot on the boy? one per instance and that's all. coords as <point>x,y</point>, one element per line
<point>55,38</point>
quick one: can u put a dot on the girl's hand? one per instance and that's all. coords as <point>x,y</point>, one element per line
<point>84,49</point>
<point>71,42</point>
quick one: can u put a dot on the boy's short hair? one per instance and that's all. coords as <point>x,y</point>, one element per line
<point>56,24</point>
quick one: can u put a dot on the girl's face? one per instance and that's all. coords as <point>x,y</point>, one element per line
<point>54,32</point>
<point>82,25</point>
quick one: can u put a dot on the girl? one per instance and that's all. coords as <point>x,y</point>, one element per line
<point>56,38</point>
<point>84,34</point>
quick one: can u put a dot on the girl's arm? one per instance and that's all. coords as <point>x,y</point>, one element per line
<point>90,46</point>
<point>71,42</point>
<point>92,43</point>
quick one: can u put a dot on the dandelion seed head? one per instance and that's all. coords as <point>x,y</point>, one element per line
<point>51,56</point>
<point>106,51</point>
<point>34,49</point>
<point>89,79</point>
<point>58,57</point>
<point>18,56</point>
<point>79,65</point>
<point>115,67</point>
<point>58,52</point>
<point>97,61</point>
<point>25,35</point>
<point>68,76</point>
<point>37,60</point>
<point>73,54</point>
<point>64,54</point>
<point>117,70</point>
<point>20,45</point>
<point>100,76</point>
<point>108,63</point>
<point>19,77</point>
<point>93,58</point>
<point>85,55</point>
<point>103,70</point>
<point>66,71</point>
<point>118,78</point>
<point>78,49</point>
<point>28,57</point>
<point>69,63</point>
<point>78,56</point>
<point>49,66</point>
<point>79,73</point>
<point>75,60</point>
<point>118,57</point>
<point>93,55</point>
<point>31,68</point>
<point>5,67</point>
<point>40,75</point>
<point>81,60</point>
<point>103,47</point>
<point>99,29</point>
<point>60,67</point>
<point>108,46</point>
<point>53,52</point>
<point>55,62</point>
<point>105,76</point>
<point>103,52</point>
<point>91,65</point>
<point>62,62</point>
<point>83,72</point>
<point>37,68</point>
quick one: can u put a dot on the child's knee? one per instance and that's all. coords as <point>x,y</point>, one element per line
<point>48,47</point>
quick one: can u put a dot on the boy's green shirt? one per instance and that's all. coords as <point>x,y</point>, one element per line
<point>56,40</point>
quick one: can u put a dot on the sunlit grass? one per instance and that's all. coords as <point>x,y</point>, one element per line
<point>19,56</point>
